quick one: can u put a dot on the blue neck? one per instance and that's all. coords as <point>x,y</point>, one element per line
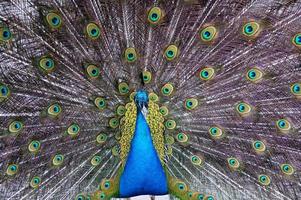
<point>143,173</point>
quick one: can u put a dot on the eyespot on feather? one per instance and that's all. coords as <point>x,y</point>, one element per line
<point>259,146</point>
<point>296,40</point>
<point>171,52</point>
<point>92,71</point>
<point>264,179</point>
<point>5,34</point>
<point>12,169</point>
<point>46,64</point>
<point>155,15</point>
<point>233,163</point>
<point>254,75</point>
<point>130,55</point>
<point>283,126</point>
<point>296,89</point>
<point>216,132</point>
<point>15,127</point>
<point>57,160</point>
<point>34,146</point>
<point>53,20</point>
<point>35,182</point>
<point>251,29</point>
<point>92,31</point>
<point>243,109</point>
<point>54,110</point>
<point>167,89</point>
<point>206,73</point>
<point>4,92</point>
<point>208,34</point>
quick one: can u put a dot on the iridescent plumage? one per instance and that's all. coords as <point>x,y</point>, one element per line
<point>199,99</point>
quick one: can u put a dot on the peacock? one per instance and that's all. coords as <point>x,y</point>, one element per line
<point>194,99</point>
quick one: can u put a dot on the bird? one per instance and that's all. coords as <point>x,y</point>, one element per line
<point>196,99</point>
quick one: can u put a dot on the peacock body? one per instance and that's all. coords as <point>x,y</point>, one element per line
<point>108,99</point>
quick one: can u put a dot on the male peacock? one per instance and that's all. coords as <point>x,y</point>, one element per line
<point>197,99</point>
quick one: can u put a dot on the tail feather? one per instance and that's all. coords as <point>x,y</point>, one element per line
<point>227,71</point>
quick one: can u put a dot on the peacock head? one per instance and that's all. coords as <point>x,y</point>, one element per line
<point>141,99</point>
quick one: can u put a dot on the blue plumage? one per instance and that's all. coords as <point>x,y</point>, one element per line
<point>142,160</point>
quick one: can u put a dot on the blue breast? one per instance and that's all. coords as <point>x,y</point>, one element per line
<point>143,172</point>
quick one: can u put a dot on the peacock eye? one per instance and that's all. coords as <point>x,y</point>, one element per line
<point>283,125</point>
<point>167,89</point>
<point>105,184</point>
<point>181,186</point>
<point>258,146</point>
<point>215,132</point>
<point>123,88</point>
<point>209,197</point>
<point>5,34</point>
<point>100,103</point>
<point>171,52</point>
<point>102,195</point>
<point>146,77</point>
<point>53,20</point>
<point>297,40</point>
<point>58,160</point>
<point>163,110</point>
<point>264,179</point>
<point>170,124</point>
<point>207,73</point>
<point>208,34</point>
<point>155,15</point>
<point>73,129</point>
<point>287,169</point>
<point>92,71</point>
<point>35,182</point>
<point>296,89</point>
<point>195,195</point>
<point>4,92</point>
<point>120,110</point>
<point>101,138</point>
<point>46,64</point>
<point>153,97</point>
<point>12,169</point>
<point>114,122</point>
<point>243,109</point>
<point>196,160</point>
<point>15,127</point>
<point>191,103</point>
<point>254,75</point>
<point>95,160</point>
<point>233,163</point>
<point>93,31</point>
<point>251,29</point>
<point>190,194</point>
<point>34,146</point>
<point>130,54</point>
<point>54,110</point>
<point>80,197</point>
<point>199,196</point>
<point>182,138</point>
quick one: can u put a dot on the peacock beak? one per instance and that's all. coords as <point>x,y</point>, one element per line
<point>141,99</point>
<point>141,105</point>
